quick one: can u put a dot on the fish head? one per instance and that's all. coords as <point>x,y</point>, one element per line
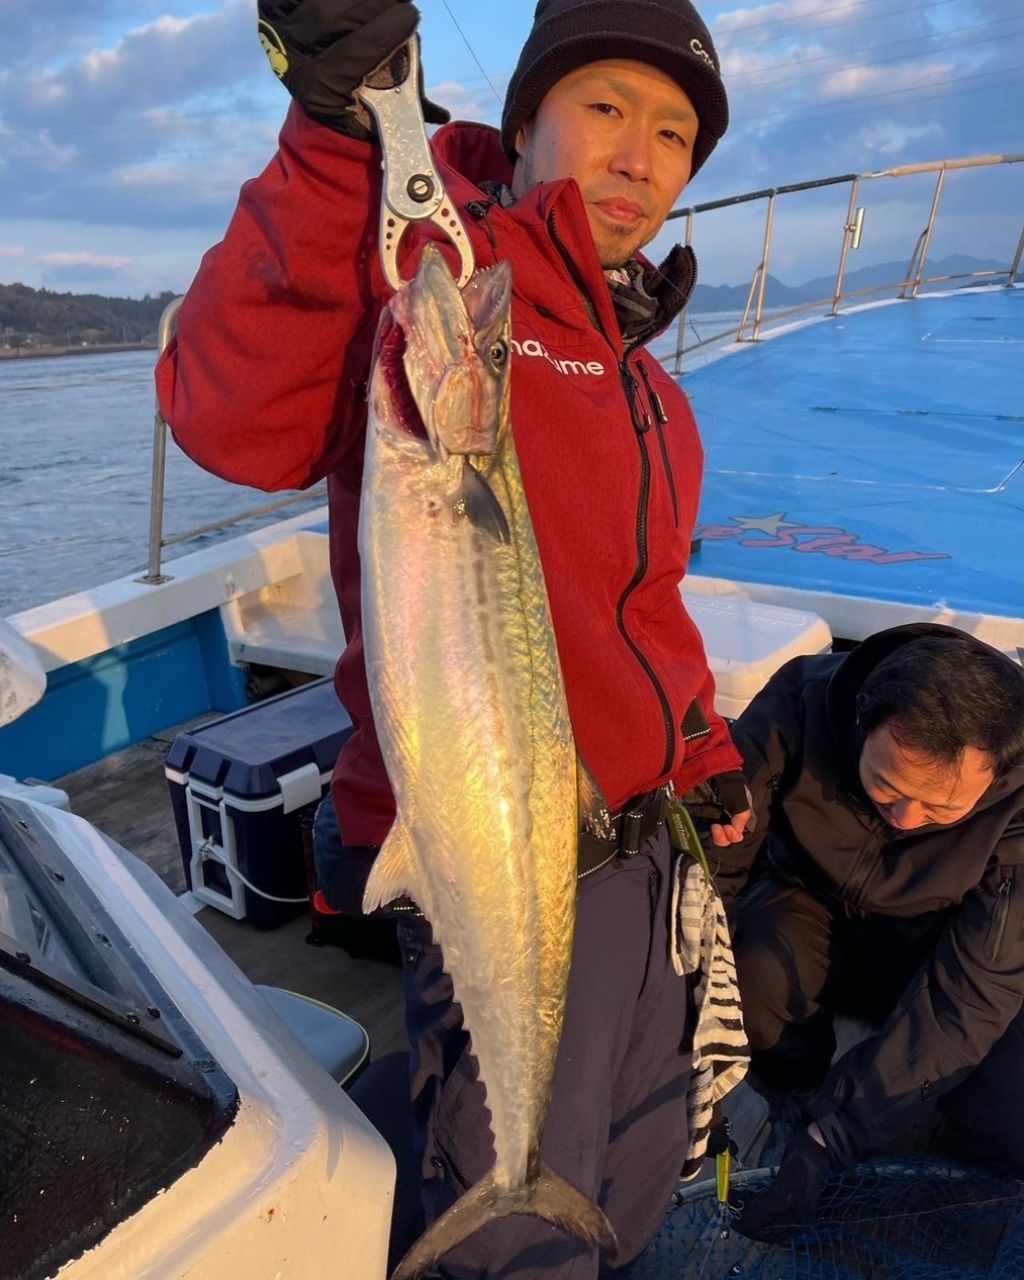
<point>457,354</point>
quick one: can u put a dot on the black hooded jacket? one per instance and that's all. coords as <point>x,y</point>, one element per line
<point>815,827</point>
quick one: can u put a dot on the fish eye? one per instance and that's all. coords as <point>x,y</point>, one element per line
<point>498,353</point>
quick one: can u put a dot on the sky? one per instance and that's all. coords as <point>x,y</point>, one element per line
<point>127,127</point>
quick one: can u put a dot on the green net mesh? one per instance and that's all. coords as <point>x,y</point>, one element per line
<point>906,1220</point>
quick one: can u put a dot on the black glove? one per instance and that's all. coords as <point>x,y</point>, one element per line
<point>719,799</point>
<point>323,50</point>
<point>788,1206</point>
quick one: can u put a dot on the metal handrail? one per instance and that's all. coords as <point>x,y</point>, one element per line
<point>852,231</point>
<point>154,574</point>
<point>853,228</point>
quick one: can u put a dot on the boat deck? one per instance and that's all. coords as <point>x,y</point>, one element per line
<point>872,463</point>
<point>127,798</point>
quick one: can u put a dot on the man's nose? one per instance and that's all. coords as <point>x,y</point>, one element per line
<point>906,814</point>
<point>633,155</point>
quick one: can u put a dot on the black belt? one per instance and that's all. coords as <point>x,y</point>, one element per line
<point>635,823</point>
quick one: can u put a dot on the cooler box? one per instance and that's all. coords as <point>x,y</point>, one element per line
<point>746,643</point>
<point>240,788</point>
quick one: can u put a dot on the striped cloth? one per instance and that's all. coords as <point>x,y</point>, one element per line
<point>702,948</point>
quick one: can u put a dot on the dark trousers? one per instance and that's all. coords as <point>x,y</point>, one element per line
<point>800,961</point>
<point>617,1125</point>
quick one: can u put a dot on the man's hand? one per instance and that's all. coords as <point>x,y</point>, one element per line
<point>723,806</point>
<point>323,50</point>
<point>788,1206</point>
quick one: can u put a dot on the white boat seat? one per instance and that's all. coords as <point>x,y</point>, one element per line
<point>295,626</point>
<point>338,1042</point>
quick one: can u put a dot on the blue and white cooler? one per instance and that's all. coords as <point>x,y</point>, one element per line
<point>241,787</point>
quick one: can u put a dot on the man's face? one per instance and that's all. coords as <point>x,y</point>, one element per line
<point>625,132</point>
<point>911,790</point>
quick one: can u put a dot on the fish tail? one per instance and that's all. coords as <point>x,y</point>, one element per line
<point>548,1196</point>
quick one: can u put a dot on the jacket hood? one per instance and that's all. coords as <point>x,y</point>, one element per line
<point>846,681</point>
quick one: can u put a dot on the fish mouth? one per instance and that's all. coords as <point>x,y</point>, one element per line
<point>391,345</point>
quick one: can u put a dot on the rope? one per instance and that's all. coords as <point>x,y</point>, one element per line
<point>208,850</point>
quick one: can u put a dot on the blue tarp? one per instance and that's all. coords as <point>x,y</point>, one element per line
<point>877,454</point>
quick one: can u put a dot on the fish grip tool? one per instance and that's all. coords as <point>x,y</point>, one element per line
<point>413,190</point>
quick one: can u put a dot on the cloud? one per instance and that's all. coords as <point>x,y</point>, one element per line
<point>817,88</point>
<point>769,22</point>
<point>867,79</point>
<point>93,260</point>
<point>82,270</point>
<point>740,65</point>
<point>887,138</point>
<point>109,100</point>
<point>12,250</point>
<point>133,122</point>
<point>467,102</point>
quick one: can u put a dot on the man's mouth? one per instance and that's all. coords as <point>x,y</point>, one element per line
<point>626,213</point>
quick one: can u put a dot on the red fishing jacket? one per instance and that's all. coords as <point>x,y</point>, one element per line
<point>266,386</point>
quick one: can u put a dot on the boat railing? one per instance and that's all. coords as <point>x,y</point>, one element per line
<point>158,543</point>
<point>755,313</point>
<point>748,330</point>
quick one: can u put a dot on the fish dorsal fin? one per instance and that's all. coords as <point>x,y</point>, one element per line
<point>595,818</point>
<point>393,870</point>
<point>477,502</point>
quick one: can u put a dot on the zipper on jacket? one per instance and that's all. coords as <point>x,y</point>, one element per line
<point>578,280</point>
<point>997,930</point>
<point>642,424</point>
<point>660,418</point>
<point>481,210</point>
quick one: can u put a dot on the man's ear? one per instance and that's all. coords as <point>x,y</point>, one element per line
<point>522,141</point>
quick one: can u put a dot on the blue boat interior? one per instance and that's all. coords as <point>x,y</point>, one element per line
<point>878,454</point>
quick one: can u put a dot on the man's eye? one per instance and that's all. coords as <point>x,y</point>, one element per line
<point>676,139</point>
<point>605,108</point>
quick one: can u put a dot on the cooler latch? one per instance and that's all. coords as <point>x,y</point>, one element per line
<point>300,787</point>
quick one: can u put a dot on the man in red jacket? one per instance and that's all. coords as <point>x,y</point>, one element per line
<point>613,106</point>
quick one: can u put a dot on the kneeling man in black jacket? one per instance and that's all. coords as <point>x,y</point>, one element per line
<point>888,785</point>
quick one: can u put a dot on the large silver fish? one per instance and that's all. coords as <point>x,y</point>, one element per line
<point>471,715</point>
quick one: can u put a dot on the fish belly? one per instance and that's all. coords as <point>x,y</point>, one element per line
<point>470,713</point>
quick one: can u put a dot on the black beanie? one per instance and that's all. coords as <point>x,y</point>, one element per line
<point>667,34</point>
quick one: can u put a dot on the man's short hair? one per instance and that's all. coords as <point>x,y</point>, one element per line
<point>942,693</point>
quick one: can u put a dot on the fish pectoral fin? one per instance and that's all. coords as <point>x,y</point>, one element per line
<point>476,501</point>
<point>595,818</point>
<point>392,873</point>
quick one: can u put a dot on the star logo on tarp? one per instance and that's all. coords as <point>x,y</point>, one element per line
<point>775,532</point>
<point>763,524</point>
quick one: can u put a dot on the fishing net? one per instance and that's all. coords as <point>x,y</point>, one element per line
<point>906,1220</point>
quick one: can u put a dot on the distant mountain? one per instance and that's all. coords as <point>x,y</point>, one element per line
<point>40,318</point>
<point>734,297</point>
<point>887,272</point>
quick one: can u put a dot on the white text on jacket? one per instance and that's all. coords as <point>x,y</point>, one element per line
<point>570,368</point>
